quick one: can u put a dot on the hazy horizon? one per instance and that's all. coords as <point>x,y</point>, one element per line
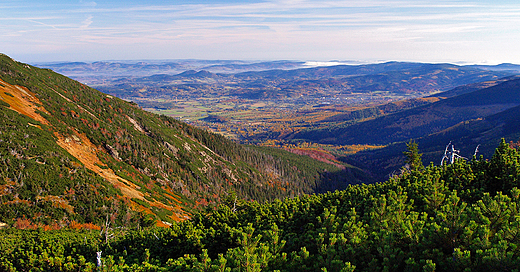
<point>451,31</point>
<point>305,63</point>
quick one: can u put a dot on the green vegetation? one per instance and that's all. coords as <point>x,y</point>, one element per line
<point>457,217</point>
<point>413,158</point>
<point>136,169</point>
<point>83,172</point>
<point>91,155</point>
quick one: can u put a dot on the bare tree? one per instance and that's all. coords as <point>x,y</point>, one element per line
<point>476,151</point>
<point>98,258</point>
<point>452,154</point>
<point>106,229</point>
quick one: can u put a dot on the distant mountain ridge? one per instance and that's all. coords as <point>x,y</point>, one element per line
<point>332,82</point>
<point>149,67</point>
<point>423,120</point>
<point>499,67</point>
<point>146,67</point>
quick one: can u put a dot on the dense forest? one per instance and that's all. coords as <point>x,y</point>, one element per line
<point>463,216</point>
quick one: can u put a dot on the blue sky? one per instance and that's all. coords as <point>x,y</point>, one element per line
<point>480,31</point>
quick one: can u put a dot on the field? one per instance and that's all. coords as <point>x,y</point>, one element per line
<point>259,122</point>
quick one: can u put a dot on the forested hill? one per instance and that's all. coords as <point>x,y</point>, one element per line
<point>463,216</point>
<point>483,133</point>
<point>423,120</point>
<point>69,153</point>
<point>394,79</point>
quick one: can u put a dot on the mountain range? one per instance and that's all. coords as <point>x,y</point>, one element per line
<point>74,160</point>
<point>399,79</point>
<point>423,120</point>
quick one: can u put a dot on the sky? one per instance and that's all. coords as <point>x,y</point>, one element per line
<point>479,31</point>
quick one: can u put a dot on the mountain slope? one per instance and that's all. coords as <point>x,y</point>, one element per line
<point>71,153</point>
<point>468,88</point>
<point>456,217</point>
<point>484,133</point>
<point>424,120</point>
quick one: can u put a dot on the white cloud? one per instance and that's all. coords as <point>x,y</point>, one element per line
<point>87,22</point>
<point>303,29</point>
<point>88,3</point>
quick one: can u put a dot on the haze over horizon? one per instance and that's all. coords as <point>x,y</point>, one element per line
<point>480,31</point>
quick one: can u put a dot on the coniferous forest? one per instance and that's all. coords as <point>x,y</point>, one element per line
<point>463,216</point>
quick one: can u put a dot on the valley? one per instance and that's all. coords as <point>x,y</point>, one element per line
<point>264,103</point>
<point>260,136</point>
<point>362,114</point>
<point>70,154</point>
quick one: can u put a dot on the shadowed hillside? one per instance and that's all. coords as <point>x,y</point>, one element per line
<point>423,120</point>
<point>484,133</point>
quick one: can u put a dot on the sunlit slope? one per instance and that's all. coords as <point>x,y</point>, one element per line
<point>71,153</point>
